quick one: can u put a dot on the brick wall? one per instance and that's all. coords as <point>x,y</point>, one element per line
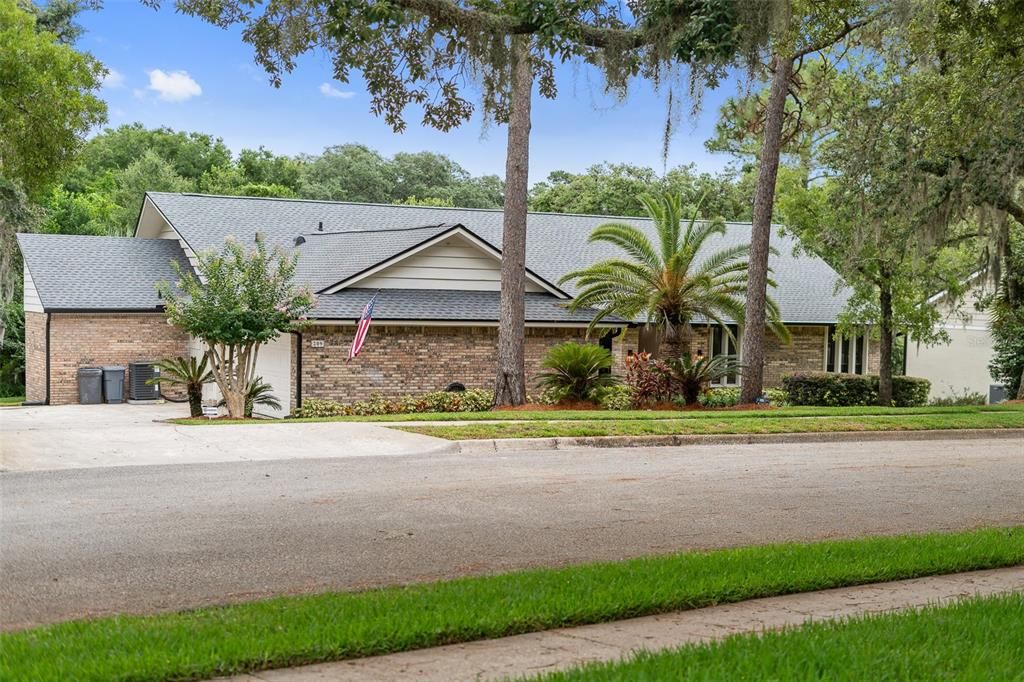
<point>79,340</point>
<point>398,360</point>
<point>35,356</point>
<point>805,353</point>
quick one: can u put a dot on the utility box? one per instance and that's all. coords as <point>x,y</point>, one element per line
<point>113,383</point>
<point>90,385</point>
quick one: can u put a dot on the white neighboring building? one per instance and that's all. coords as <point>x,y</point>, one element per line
<point>961,365</point>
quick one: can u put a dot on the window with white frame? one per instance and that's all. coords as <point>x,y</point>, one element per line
<point>724,344</point>
<point>845,354</point>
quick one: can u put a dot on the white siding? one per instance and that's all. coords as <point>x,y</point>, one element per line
<point>153,226</point>
<point>454,263</point>
<point>32,302</point>
<point>963,364</point>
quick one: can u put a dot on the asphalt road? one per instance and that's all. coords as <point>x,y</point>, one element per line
<point>139,539</point>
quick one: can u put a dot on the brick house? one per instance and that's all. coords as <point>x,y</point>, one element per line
<point>92,300</point>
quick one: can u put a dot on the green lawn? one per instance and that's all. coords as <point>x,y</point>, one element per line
<point>595,415</point>
<point>975,639</point>
<point>295,630</point>
<point>726,423</point>
<point>12,400</point>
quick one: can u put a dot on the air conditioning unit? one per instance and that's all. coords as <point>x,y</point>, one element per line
<point>138,374</point>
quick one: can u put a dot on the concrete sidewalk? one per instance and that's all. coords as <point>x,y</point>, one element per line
<point>542,652</point>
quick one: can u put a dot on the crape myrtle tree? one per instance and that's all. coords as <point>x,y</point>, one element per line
<point>239,300</point>
<point>429,52</point>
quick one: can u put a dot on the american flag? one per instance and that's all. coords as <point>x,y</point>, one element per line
<point>361,329</point>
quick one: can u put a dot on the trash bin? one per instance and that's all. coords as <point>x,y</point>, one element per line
<point>113,383</point>
<point>90,385</point>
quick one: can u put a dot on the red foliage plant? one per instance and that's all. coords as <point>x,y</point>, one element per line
<point>649,380</point>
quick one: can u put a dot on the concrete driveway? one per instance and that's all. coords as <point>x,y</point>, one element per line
<point>76,436</point>
<point>140,539</point>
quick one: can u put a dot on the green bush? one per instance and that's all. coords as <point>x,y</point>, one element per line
<point>577,369</point>
<point>909,391</point>
<point>618,397</point>
<point>968,397</point>
<point>720,397</point>
<point>848,390</point>
<point>470,400</point>
<point>728,397</point>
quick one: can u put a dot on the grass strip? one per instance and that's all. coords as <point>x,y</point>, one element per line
<point>724,425</point>
<point>12,400</point>
<point>290,631</point>
<point>973,639</point>
<point>595,415</point>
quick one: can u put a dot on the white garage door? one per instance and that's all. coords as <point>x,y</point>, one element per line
<point>274,364</point>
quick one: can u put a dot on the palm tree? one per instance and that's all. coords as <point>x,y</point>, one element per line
<point>259,393</point>
<point>670,284</point>
<point>187,372</point>
<point>576,369</point>
<point>693,376</point>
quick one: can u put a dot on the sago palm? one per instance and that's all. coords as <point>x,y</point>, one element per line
<point>690,376</point>
<point>576,369</point>
<point>188,372</point>
<point>670,283</point>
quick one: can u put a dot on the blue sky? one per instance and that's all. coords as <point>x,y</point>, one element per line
<point>177,71</point>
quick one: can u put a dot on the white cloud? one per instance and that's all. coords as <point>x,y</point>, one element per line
<point>113,79</point>
<point>174,86</point>
<point>328,90</point>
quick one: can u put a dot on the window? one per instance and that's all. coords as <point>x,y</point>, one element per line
<point>845,354</point>
<point>723,344</point>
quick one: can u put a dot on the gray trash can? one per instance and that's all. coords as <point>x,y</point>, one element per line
<point>90,385</point>
<point>113,383</point>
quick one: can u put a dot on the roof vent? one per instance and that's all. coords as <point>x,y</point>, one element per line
<point>320,226</point>
<point>300,240</point>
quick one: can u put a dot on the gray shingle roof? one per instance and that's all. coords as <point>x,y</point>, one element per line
<point>556,243</point>
<point>326,258</point>
<point>79,272</point>
<point>434,304</point>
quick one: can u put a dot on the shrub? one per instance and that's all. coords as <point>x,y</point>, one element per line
<point>470,400</point>
<point>909,391</point>
<point>728,397</point>
<point>649,380</point>
<point>577,369</point>
<point>720,397</point>
<point>690,377</point>
<point>968,397</point>
<point>847,390</point>
<point>618,397</point>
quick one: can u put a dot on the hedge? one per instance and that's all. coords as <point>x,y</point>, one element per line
<point>470,400</point>
<point>847,390</point>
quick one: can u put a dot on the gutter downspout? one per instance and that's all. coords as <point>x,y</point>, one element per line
<point>298,369</point>
<point>48,315</point>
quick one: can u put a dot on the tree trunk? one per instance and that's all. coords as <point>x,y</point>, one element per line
<point>195,400</point>
<point>885,344</point>
<point>510,382</point>
<point>676,343</point>
<point>1020,389</point>
<point>760,233</point>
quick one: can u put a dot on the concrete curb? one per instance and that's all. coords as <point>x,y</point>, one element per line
<point>473,447</point>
